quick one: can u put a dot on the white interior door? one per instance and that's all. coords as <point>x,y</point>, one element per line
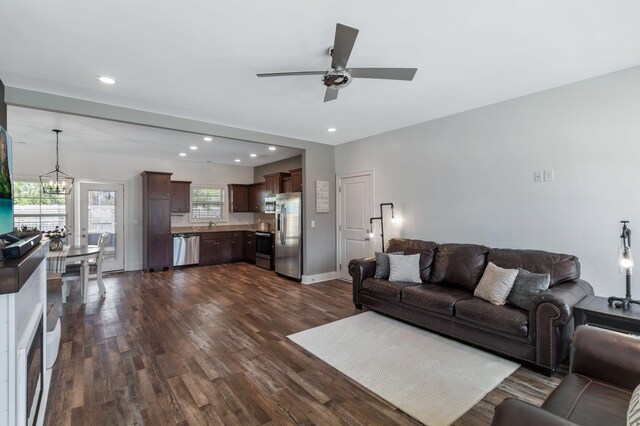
<point>102,209</point>
<point>355,206</point>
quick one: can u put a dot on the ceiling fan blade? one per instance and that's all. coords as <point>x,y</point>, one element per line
<point>330,94</point>
<point>384,73</point>
<point>342,45</point>
<point>285,74</point>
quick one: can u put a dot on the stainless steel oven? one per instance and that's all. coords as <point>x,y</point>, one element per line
<point>264,252</point>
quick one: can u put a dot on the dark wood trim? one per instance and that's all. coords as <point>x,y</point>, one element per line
<point>3,108</point>
<point>14,273</point>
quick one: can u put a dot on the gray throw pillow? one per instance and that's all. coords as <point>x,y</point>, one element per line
<point>495,284</point>
<point>633,413</point>
<point>382,264</point>
<point>526,287</point>
<point>405,268</point>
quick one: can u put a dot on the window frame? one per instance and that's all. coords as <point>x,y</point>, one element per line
<point>68,205</point>
<point>225,204</point>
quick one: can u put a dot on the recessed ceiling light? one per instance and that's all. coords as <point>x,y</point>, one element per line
<point>331,129</point>
<point>193,147</point>
<point>106,80</point>
<point>207,139</point>
<point>253,155</point>
<point>237,160</point>
<point>272,148</point>
<point>183,154</point>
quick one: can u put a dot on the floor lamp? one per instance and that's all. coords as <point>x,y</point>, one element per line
<point>380,218</point>
<point>626,264</point>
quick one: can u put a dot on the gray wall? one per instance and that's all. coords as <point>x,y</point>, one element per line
<point>469,177</point>
<point>318,159</point>
<point>278,166</point>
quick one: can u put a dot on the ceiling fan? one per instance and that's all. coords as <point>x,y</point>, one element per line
<point>339,76</point>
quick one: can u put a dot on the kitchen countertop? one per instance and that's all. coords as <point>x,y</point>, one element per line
<point>217,228</point>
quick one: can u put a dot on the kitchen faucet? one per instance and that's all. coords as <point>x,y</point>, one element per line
<point>212,223</point>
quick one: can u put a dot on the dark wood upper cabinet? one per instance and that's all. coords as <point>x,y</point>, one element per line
<point>157,242</point>
<point>180,196</point>
<point>238,198</point>
<point>256,197</point>
<point>158,185</point>
<point>296,180</point>
<point>274,182</point>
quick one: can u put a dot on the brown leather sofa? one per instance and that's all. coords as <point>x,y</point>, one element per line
<point>603,373</point>
<point>444,302</point>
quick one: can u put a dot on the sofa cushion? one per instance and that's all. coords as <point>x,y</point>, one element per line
<point>434,297</point>
<point>495,284</point>
<point>585,401</point>
<point>382,264</point>
<point>404,268</point>
<point>384,288</point>
<point>527,286</point>
<point>459,265</point>
<point>427,250</point>
<point>560,267</point>
<point>505,318</point>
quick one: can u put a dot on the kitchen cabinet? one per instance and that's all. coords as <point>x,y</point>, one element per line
<point>286,185</point>
<point>250,247</point>
<point>256,197</point>
<point>237,247</point>
<point>180,196</point>
<point>274,183</point>
<point>224,247</point>
<point>157,241</point>
<point>296,180</point>
<point>238,198</point>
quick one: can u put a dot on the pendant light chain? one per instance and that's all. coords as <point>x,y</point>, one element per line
<point>56,181</point>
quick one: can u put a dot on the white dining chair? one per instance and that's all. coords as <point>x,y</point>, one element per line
<point>73,271</point>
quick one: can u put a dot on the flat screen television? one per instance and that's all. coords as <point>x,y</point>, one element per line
<point>6,199</point>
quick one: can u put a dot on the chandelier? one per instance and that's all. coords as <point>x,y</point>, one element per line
<point>56,182</point>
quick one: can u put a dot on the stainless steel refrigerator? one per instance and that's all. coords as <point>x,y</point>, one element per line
<point>288,247</point>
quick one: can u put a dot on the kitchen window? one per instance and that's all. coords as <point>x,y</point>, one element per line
<point>34,209</point>
<point>208,203</point>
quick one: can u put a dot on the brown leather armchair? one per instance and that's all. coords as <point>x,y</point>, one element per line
<point>604,371</point>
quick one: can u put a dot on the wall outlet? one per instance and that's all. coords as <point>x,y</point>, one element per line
<point>537,176</point>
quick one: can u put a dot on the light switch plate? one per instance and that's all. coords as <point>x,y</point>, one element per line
<point>549,175</point>
<point>313,223</point>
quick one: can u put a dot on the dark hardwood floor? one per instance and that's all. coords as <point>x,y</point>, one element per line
<point>208,345</point>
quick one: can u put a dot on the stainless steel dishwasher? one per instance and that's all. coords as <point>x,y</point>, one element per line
<point>186,249</point>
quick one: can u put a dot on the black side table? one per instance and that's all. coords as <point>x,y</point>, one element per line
<point>596,311</point>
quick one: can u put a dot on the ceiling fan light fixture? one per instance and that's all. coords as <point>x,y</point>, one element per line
<point>336,78</point>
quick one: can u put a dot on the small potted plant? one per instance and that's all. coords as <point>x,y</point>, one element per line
<point>56,237</point>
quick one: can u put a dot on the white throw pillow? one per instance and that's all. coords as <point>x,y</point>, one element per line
<point>495,284</point>
<point>633,414</point>
<point>404,268</point>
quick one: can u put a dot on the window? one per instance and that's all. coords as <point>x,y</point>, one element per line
<point>33,209</point>
<point>208,203</point>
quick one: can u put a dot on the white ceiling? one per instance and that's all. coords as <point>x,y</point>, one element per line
<point>33,127</point>
<point>198,58</point>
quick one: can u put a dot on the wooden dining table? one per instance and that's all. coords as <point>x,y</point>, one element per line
<point>57,260</point>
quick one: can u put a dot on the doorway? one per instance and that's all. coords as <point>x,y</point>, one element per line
<point>355,208</point>
<point>102,210</point>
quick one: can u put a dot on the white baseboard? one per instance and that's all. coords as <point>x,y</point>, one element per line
<point>312,279</point>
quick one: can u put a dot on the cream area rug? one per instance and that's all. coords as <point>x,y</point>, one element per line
<point>432,378</point>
